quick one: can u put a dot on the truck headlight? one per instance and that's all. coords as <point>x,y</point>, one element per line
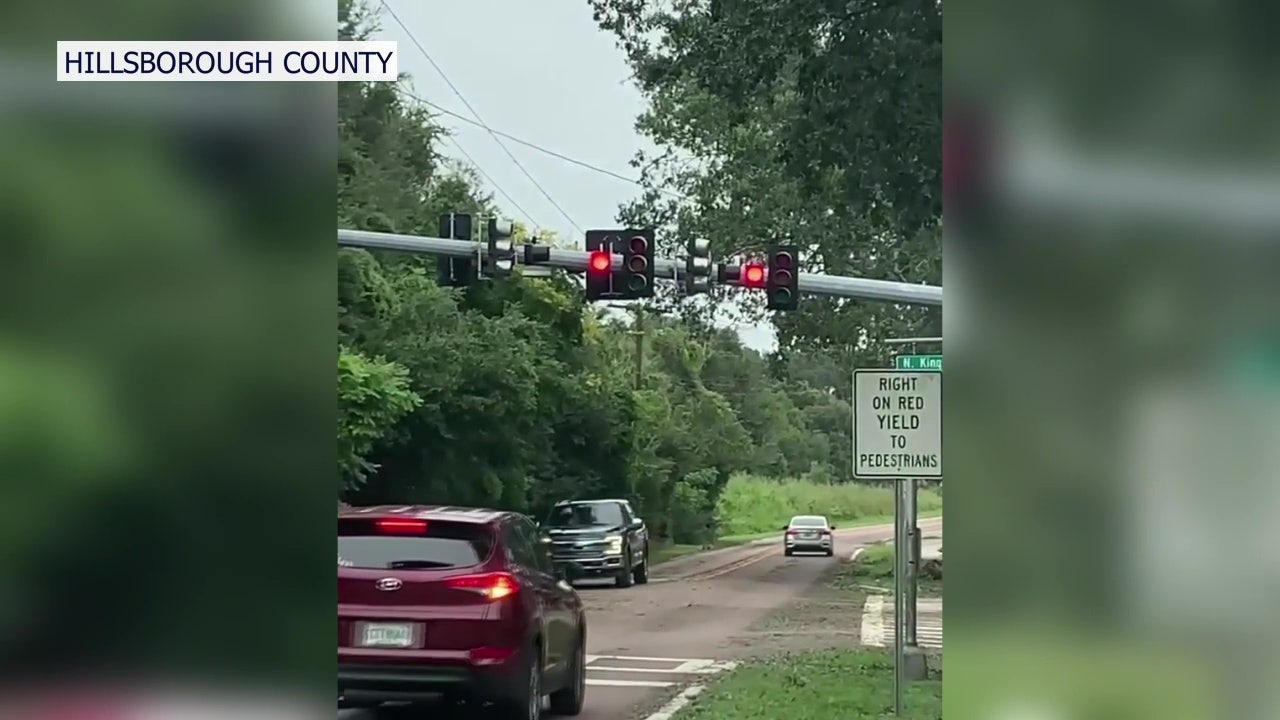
<point>613,545</point>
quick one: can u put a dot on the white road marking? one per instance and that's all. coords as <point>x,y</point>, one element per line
<point>630,683</point>
<point>677,703</point>
<point>873,621</point>
<point>693,667</point>
<point>639,658</point>
<point>878,627</point>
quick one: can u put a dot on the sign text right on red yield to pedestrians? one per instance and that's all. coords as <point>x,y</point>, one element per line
<point>897,424</point>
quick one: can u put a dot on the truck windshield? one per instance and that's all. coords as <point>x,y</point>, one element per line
<point>585,515</point>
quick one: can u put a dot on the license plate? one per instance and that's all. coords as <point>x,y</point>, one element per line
<point>810,536</point>
<point>388,635</point>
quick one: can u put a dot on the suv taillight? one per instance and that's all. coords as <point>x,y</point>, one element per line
<point>492,586</point>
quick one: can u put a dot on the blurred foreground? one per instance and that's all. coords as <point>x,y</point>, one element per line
<point>166,374</point>
<point>1114,365</point>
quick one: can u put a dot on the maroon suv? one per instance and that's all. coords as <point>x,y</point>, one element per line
<point>457,602</point>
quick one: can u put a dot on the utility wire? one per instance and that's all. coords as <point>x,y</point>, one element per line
<point>539,148</point>
<point>494,183</point>
<point>480,120</point>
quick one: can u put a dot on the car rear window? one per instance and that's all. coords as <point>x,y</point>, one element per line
<point>443,545</point>
<point>808,521</point>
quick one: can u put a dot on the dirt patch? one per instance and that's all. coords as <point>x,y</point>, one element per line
<point>828,616</point>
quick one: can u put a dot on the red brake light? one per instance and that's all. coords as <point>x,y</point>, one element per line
<point>753,275</point>
<point>402,525</point>
<point>493,586</point>
<point>600,261</point>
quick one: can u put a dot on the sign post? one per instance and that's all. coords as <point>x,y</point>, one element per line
<point>897,435</point>
<point>914,361</point>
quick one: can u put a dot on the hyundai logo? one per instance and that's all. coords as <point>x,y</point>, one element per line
<point>389,584</point>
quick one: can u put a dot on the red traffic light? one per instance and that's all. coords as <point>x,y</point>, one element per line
<point>600,261</point>
<point>753,275</point>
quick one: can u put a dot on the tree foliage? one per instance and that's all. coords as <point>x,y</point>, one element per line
<point>807,119</point>
<point>515,393</point>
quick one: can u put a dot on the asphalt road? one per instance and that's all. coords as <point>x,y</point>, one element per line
<point>646,642</point>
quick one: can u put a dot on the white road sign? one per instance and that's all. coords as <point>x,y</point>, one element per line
<point>897,424</point>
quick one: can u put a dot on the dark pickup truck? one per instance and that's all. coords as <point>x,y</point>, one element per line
<point>598,539</point>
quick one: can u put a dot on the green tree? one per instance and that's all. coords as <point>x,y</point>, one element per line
<point>807,118</point>
<point>372,396</point>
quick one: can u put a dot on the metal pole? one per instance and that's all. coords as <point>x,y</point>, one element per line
<point>883,290</point>
<point>911,341</point>
<point>899,585</point>
<point>913,557</point>
<point>639,333</point>
<point>911,590</point>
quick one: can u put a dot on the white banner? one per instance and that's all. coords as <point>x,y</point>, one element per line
<point>322,61</point>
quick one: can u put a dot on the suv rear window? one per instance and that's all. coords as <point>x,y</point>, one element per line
<point>443,545</point>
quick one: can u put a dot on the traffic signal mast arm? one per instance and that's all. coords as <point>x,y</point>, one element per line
<point>833,285</point>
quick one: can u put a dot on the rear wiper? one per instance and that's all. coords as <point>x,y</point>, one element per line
<point>416,564</point>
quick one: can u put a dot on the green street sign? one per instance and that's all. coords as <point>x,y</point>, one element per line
<point>918,362</point>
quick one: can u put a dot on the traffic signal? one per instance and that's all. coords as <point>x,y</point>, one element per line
<point>600,264</point>
<point>782,287</point>
<point>637,265</point>
<point>455,271</point>
<point>752,274</point>
<point>697,267</point>
<point>501,258</point>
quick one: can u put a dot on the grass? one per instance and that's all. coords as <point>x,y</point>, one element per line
<point>752,505</point>
<point>875,568</point>
<point>670,551</point>
<point>824,685</point>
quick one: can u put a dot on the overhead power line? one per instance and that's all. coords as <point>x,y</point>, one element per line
<point>494,183</point>
<point>413,38</point>
<point>535,146</point>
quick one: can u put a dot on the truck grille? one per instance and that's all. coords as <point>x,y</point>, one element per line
<point>568,549</point>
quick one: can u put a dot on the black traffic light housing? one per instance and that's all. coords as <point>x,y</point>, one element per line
<point>501,258</point>
<point>600,279</point>
<point>455,271</point>
<point>782,282</point>
<point>637,264</point>
<point>697,267</point>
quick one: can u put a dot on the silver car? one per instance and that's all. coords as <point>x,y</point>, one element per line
<point>808,533</point>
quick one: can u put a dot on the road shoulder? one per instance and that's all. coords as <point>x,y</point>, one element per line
<point>796,662</point>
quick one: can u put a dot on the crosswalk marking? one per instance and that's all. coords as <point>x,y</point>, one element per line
<point>878,622</point>
<point>643,658</point>
<point>873,621</point>
<point>630,683</point>
<point>676,667</point>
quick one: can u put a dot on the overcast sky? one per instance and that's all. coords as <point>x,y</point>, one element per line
<point>542,72</point>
